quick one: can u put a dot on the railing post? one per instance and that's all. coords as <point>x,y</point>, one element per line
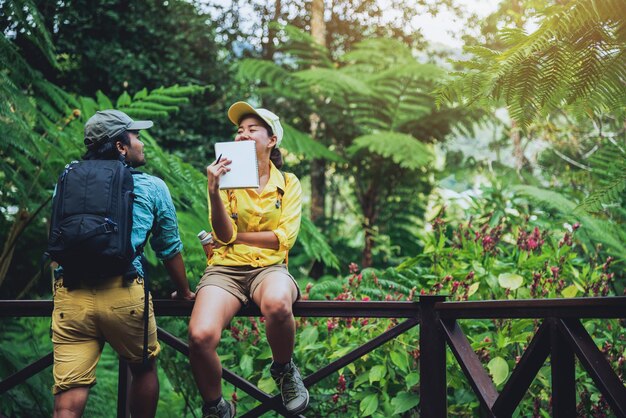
<point>433,396</point>
<point>123,386</point>
<point>563,374</point>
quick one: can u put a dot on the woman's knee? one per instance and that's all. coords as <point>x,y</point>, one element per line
<point>204,337</point>
<point>277,308</point>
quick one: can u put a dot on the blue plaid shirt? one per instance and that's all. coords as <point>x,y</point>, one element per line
<point>154,210</point>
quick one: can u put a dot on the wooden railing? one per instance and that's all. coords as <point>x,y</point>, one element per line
<point>560,335</point>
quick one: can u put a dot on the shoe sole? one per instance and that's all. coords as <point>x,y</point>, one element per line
<point>302,408</point>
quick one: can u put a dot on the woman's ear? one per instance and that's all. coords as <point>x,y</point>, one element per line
<point>272,142</point>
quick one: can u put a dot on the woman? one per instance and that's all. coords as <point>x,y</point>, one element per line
<point>254,229</point>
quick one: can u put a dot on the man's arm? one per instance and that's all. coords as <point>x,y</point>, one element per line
<point>175,267</point>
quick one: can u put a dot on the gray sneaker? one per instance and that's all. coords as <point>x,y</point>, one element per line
<point>292,389</point>
<point>223,409</point>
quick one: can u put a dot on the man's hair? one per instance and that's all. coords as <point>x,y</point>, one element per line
<point>108,150</point>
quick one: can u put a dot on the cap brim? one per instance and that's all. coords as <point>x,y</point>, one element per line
<point>137,125</point>
<point>237,110</point>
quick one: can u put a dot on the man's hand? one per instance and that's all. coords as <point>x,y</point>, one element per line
<point>189,295</point>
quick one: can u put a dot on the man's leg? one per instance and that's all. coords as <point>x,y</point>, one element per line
<point>275,296</point>
<point>212,311</point>
<point>144,390</point>
<point>70,403</point>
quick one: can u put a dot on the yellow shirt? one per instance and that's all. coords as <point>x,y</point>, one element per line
<point>268,211</point>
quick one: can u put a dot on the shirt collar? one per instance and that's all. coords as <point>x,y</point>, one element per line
<point>276,180</point>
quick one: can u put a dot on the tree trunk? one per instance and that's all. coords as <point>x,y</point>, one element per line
<point>318,166</point>
<point>368,206</point>
<point>270,48</point>
<point>518,150</point>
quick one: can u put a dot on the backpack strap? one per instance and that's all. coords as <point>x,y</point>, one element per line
<point>146,283</point>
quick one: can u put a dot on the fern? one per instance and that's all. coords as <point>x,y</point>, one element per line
<point>402,149</point>
<point>575,58</point>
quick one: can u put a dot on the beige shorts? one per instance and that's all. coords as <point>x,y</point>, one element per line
<point>84,318</point>
<point>241,281</point>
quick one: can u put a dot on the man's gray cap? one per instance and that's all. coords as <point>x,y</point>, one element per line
<point>107,124</point>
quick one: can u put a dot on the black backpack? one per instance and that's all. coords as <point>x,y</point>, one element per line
<point>92,217</point>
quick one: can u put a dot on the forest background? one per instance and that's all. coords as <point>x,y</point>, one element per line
<point>492,172</point>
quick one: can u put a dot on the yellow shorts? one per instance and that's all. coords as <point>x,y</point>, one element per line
<point>241,281</point>
<point>84,318</point>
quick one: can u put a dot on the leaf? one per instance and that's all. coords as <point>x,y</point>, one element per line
<point>570,291</point>
<point>377,373</point>
<point>510,280</point>
<point>412,379</point>
<point>402,149</point>
<point>473,288</point>
<point>246,365</point>
<point>309,336</point>
<point>403,402</point>
<point>267,385</point>
<point>498,369</point>
<point>124,100</point>
<point>400,359</point>
<point>369,405</point>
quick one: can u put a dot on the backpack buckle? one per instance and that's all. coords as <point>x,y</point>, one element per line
<point>110,226</point>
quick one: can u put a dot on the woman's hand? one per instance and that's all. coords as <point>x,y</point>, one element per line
<point>214,172</point>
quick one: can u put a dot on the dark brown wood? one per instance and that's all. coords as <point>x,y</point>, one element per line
<point>28,371</point>
<point>229,376</point>
<point>596,364</point>
<point>478,378</point>
<point>123,390</point>
<point>307,308</point>
<point>344,360</point>
<point>437,323</point>
<point>606,307</point>
<point>524,373</point>
<point>563,374</point>
<point>433,395</point>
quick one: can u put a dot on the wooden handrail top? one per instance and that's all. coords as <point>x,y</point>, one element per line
<point>593,307</point>
<point>605,307</point>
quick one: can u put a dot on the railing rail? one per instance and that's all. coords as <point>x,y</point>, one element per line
<point>561,336</point>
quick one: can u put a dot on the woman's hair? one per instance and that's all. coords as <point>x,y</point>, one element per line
<point>108,150</point>
<point>275,156</point>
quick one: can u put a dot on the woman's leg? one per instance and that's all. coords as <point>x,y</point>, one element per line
<point>212,311</point>
<point>275,296</point>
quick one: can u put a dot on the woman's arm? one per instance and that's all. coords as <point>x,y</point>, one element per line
<point>220,221</point>
<point>261,239</point>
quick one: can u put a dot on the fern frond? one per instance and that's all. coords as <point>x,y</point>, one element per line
<point>402,149</point>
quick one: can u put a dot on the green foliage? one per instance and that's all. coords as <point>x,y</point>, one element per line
<point>404,150</point>
<point>575,57</point>
<point>376,111</point>
<point>25,341</point>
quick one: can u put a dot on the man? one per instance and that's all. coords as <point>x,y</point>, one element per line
<point>88,313</point>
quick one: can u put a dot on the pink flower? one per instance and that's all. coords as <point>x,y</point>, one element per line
<point>365,298</point>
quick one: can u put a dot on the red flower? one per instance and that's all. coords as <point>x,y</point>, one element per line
<point>330,325</point>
